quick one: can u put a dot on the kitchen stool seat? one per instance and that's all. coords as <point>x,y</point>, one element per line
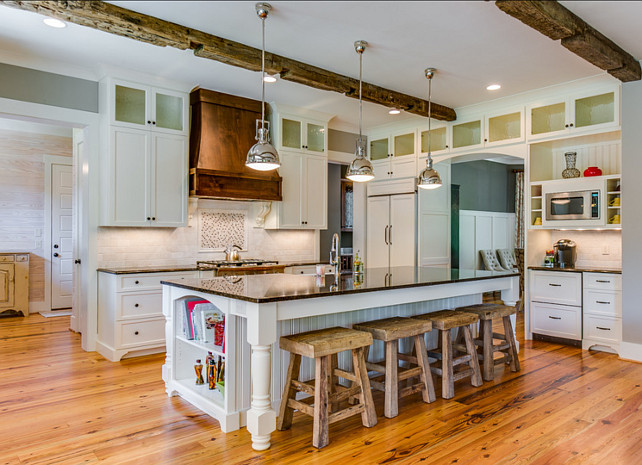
<point>508,346</point>
<point>323,346</point>
<point>390,330</point>
<point>444,321</point>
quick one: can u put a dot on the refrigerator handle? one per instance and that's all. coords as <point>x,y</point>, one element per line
<point>390,235</point>
<point>385,235</point>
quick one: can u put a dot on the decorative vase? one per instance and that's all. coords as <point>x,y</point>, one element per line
<point>570,171</point>
<point>592,171</point>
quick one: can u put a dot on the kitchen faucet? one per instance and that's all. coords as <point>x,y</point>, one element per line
<point>334,254</point>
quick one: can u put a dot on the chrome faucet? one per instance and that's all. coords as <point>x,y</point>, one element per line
<point>334,254</point>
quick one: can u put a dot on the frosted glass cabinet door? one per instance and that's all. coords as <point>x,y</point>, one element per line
<point>548,118</point>
<point>596,109</point>
<point>291,134</point>
<point>130,105</point>
<point>403,144</point>
<point>379,149</point>
<point>504,128</point>
<point>315,137</point>
<point>438,140</point>
<point>467,134</point>
<point>169,111</point>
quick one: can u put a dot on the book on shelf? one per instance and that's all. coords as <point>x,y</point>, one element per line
<point>205,322</point>
<point>188,322</point>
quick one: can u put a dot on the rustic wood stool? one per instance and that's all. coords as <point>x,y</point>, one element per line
<point>390,330</point>
<point>508,347</point>
<point>323,346</point>
<point>444,321</point>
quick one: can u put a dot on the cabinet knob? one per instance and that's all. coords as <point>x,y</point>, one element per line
<point>153,122</point>
<point>446,146</point>
<point>136,305</point>
<point>137,282</point>
<point>149,122</point>
<point>153,218</point>
<point>56,254</point>
<point>135,333</point>
<point>566,125</point>
<point>571,125</point>
<point>55,246</point>
<point>77,261</point>
<point>148,218</point>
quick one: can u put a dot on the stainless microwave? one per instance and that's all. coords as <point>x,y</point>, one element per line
<point>577,205</point>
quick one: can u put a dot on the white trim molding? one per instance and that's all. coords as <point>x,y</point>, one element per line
<point>631,351</point>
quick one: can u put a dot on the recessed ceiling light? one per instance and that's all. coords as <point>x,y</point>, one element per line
<point>394,111</point>
<point>494,87</point>
<point>53,22</point>
<point>270,77</point>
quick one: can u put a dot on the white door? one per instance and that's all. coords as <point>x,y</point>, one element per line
<point>62,260</point>
<point>76,300</point>
<point>169,180</point>
<point>402,233</point>
<point>316,180</point>
<point>434,221</point>
<point>131,156</point>
<point>292,173</point>
<point>378,221</point>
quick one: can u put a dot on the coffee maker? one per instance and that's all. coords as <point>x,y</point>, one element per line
<point>565,253</point>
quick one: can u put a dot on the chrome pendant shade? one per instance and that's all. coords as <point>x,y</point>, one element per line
<point>429,178</point>
<point>262,156</point>
<point>360,170</point>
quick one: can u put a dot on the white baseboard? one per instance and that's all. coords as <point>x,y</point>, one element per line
<point>36,307</point>
<point>631,351</point>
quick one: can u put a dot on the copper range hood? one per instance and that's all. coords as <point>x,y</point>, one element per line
<point>223,130</point>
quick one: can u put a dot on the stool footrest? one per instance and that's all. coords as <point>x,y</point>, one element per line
<point>405,373</point>
<point>462,374</point>
<point>345,413</point>
<point>307,387</point>
<point>409,390</point>
<point>301,406</point>
<point>372,366</point>
<point>345,374</point>
<point>344,393</point>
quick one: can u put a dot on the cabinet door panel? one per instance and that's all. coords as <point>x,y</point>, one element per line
<point>557,287</point>
<point>169,111</point>
<point>291,134</point>
<point>291,172</point>
<point>556,320</point>
<point>401,235</point>
<point>7,288</point>
<point>316,191</point>
<point>130,156</point>
<point>379,149</point>
<point>377,237</point>
<point>169,181</point>
<point>315,137</point>
<point>130,105</point>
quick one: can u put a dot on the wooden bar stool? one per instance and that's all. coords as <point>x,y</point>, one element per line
<point>444,321</point>
<point>508,347</point>
<point>323,346</point>
<point>390,330</point>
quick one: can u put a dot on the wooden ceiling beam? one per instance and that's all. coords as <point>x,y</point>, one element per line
<point>120,21</point>
<point>557,22</point>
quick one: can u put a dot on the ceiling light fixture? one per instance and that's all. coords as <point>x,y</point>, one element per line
<point>360,170</point>
<point>53,22</point>
<point>270,78</point>
<point>394,111</point>
<point>262,156</point>
<point>429,177</point>
<point>493,87</point>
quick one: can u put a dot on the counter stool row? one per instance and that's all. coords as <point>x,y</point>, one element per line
<point>323,345</point>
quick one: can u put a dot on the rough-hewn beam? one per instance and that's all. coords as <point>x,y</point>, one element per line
<point>557,22</point>
<point>120,21</point>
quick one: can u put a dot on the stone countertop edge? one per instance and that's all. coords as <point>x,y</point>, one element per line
<point>578,269</point>
<point>262,300</point>
<point>148,269</point>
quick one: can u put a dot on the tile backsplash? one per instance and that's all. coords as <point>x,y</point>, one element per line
<point>595,248</point>
<point>180,246</point>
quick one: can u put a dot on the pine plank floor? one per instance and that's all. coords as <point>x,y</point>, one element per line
<point>60,405</point>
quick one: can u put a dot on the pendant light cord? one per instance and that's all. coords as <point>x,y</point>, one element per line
<point>360,102</point>
<point>429,116</point>
<point>263,75</point>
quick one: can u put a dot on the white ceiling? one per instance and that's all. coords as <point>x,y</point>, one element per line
<point>472,44</point>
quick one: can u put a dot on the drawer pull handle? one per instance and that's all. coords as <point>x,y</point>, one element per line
<point>554,285</point>
<point>603,329</point>
<point>135,333</point>
<point>136,305</point>
<point>555,317</point>
<point>602,281</point>
<point>602,302</point>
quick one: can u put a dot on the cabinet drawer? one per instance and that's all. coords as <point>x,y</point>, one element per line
<point>140,305</point>
<point>556,320</point>
<point>557,287</point>
<point>604,281</point>
<point>603,302</point>
<point>602,328</point>
<point>150,281</point>
<point>141,333</point>
<point>6,258</point>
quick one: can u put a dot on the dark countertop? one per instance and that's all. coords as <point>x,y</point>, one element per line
<point>279,287</point>
<point>578,269</point>
<point>147,269</point>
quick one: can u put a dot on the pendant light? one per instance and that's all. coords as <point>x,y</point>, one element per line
<point>262,156</point>
<point>360,170</point>
<point>429,178</point>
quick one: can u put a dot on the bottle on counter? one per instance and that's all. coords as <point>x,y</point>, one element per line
<point>357,266</point>
<point>198,368</point>
<point>209,361</point>
<point>549,258</point>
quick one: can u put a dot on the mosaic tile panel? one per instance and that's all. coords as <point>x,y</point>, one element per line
<point>219,229</point>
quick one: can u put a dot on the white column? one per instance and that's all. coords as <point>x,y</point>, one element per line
<point>261,333</point>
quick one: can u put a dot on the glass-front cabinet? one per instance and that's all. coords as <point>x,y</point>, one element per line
<point>438,140</point>
<point>504,127</point>
<point>467,134</point>
<point>393,155</point>
<point>137,106</point>
<point>303,135</point>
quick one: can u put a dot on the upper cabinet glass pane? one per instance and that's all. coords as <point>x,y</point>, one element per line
<point>316,137</point>
<point>379,149</point>
<point>404,145</point>
<point>291,133</point>
<point>169,112</point>
<point>597,109</point>
<point>130,105</point>
<point>505,127</point>
<point>466,134</point>
<point>437,140</point>
<point>548,118</point>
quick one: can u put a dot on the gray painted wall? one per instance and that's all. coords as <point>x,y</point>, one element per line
<point>632,212</point>
<point>334,211</point>
<point>485,185</point>
<point>30,85</point>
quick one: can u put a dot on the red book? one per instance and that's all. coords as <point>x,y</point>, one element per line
<point>190,308</point>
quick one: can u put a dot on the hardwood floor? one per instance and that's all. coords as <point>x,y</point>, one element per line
<point>60,405</point>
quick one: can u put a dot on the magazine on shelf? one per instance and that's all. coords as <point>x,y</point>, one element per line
<point>188,322</point>
<point>209,323</point>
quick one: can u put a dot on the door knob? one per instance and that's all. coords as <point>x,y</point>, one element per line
<point>56,254</point>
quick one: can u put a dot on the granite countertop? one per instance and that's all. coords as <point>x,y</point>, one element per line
<point>279,287</point>
<point>147,269</point>
<point>578,269</point>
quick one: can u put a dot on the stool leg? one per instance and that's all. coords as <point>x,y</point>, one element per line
<point>391,395</point>
<point>289,392</point>
<point>333,380</point>
<point>476,379</point>
<point>510,337</point>
<point>447,381</point>
<point>368,416</point>
<point>428,392</point>
<point>320,426</point>
<point>487,337</point>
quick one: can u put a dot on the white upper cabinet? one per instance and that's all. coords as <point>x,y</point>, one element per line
<point>467,134</point>
<point>504,127</point>
<point>588,111</point>
<point>394,155</point>
<point>439,139</point>
<point>138,106</point>
<point>300,130</point>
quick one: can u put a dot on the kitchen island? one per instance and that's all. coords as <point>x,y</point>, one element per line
<point>261,308</point>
